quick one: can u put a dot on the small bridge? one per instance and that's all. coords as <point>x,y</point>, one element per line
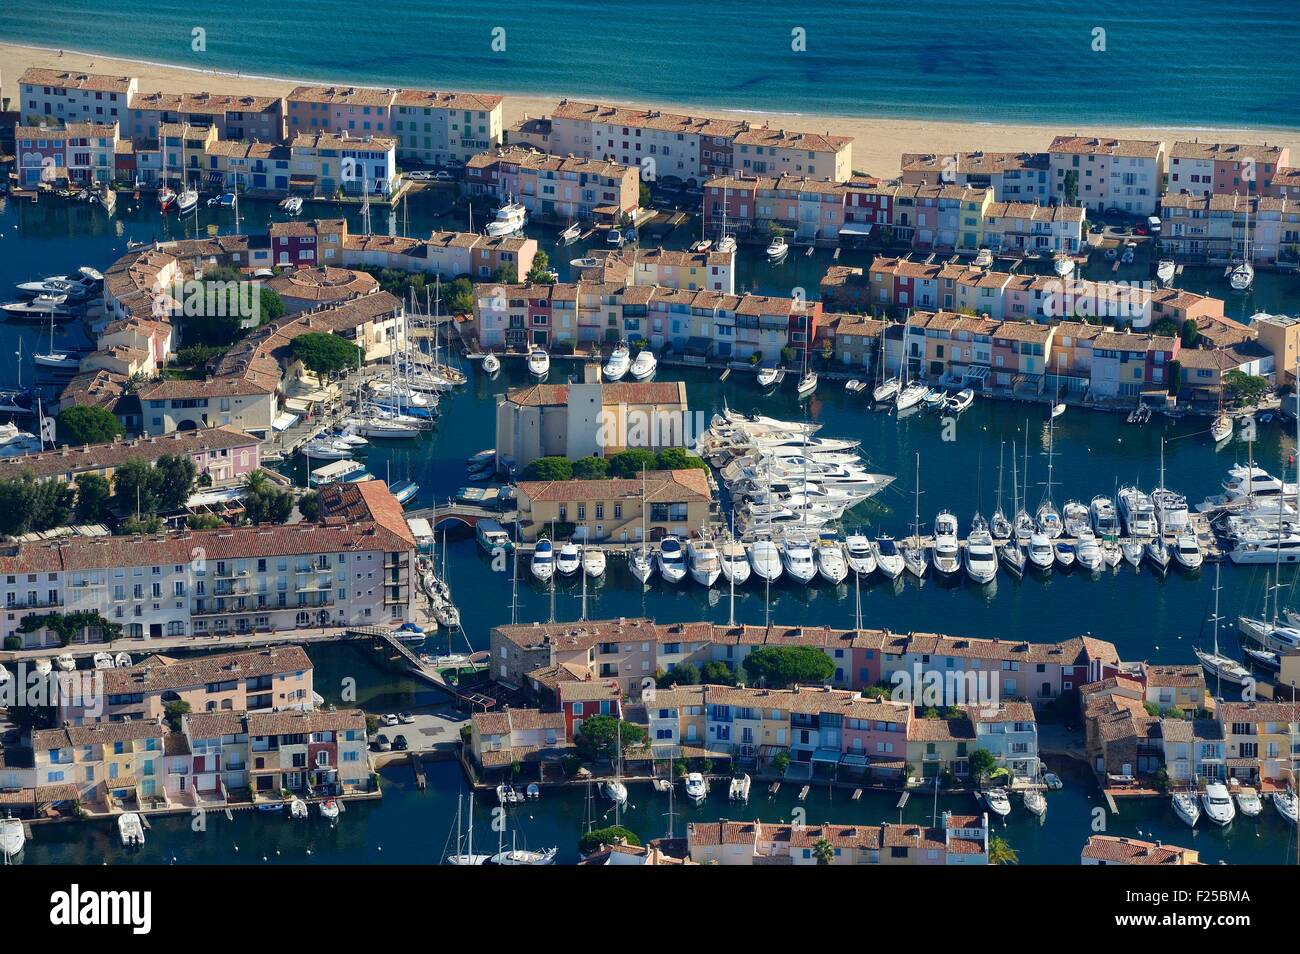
<point>467,514</point>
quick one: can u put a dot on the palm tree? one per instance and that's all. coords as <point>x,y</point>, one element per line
<point>1001,853</point>
<point>823,851</point>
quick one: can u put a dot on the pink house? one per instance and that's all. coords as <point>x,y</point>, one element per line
<point>876,731</point>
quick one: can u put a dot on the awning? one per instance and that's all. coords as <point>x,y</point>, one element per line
<point>284,421</point>
<point>853,230</point>
<point>826,755</point>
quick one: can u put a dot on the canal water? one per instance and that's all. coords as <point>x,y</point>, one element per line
<point>1147,618</point>
<point>409,826</point>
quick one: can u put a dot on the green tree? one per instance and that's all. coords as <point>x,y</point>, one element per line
<point>204,521</point>
<point>717,673</point>
<point>1167,328</point>
<point>1190,333</point>
<point>325,353</point>
<point>269,306</point>
<point>1070,186</point>
<point>781,762</point>
<point>144,525</point>
<point>630,463</point>
<point>1001,852</point>
<point>174,480</point>
<point>539,272</point>
<point>264,502</point>
<point>460,296</point>
<point>1245,388</point>
<point>781,666</point>
<point>86,424</point>
<point>611,835</point>
<point>172,712</point>
<point>590,468</point>
<point>92,498</point>
<point>135,488</point>
<point>548,468</point>
<point>598,737</point>
<point>981,763</point>
<point>643,195</point>
<point>823,851</point>
<point>677,458</point>
<point>309,506</point>
<point>685,674</point>
<point>506,275</point>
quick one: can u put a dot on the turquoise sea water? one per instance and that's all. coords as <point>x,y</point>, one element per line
<point>1165,62</point>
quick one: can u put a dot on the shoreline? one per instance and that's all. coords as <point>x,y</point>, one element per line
<point>878,141</point>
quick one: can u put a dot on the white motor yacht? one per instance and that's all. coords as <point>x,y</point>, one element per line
<point>997,801</point>
<point>980,558</point>
<point>618,363</point>
<point>797,558</point>
<point>131,830</point>
<point>510,218</point>
<point>777,248</point>
<point>671,559</point>
<point>1218,804</point>
<point>593,562</point>
<point>888,557</point>
<point>1088,552</point>
<point>765,559</point>
<point>860,555</point>
<point>702,558</point>
<point>1041,553</point>
<point>643,367</point>
<point>543,564</point>
<point>831,565</point>
<point>734,561</point>
<point>1248,802</point>
<point>697,789</point>
<point>1063,552</point>
<point>12,838</point>
<point>947,553</point>
<point>767,376</point>
<point>569,560</point>
<point>539,362</point>
<point>1187,551</point>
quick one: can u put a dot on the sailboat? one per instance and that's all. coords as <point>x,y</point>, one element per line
<point>1221,429</point>
<point>1047,517</point>
<point>467,856</point>
<point>1012,553</point>
<point>885,388</point>
<point>1241,275</point>
<point>1216,664</point>
<point>808,380</point>
<point>999,526</point>
<point>726,243</point>
<point>914,557</point>
<point>55,359</point>
<point>639,561</point>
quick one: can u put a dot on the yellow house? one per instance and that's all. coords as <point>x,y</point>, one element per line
<point>672,501</point>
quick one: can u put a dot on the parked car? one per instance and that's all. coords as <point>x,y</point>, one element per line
<point>419,176</point>
<point>442,175</point>
<point>388,719</point>
<point>399,743</point>
<point>405,718</point>
<point>381,743</point>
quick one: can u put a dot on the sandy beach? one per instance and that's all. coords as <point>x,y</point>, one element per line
<point>878,143</point>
